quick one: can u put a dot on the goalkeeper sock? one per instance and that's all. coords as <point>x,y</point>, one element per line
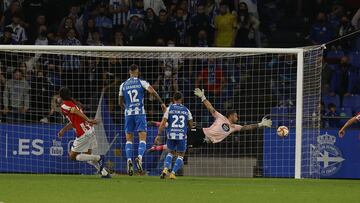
<point>95,164</point>
<point>87,157</point>
<point>168,160</point>
<point>178,164</point>
<point>141,149</point>
<point>128,150</point>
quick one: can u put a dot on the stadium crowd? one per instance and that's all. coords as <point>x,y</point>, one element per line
<point>198,23</point>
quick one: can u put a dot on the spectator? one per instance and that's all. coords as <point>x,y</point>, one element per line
<point>246,27</point>
<point>119,9</point>
<point>54,115</point>
<point>181,25</point>
<point>16,98</point>
<point>103,24</point>
<point>88,31</point>
<point>65,26</point>
<point>184,6</point>
<point>19,35</point>
<point>34,28</point>
<point>42,36</point>
<point>150,20</point>
<point>32,8</point>
<point>344,80</point>
<point>332,112</point>
<point>14,9</point>
<point>250,4</point>
<point>137,10</point>
<point>201,39</point>
<point>156,5</point>
<point>77,19</point>
<point>53,38</point>
<point>40,96</point>
<point>224,27</point>
<point>7,37</point>
<point>96,39</point>
<point>167,82</point>
<point>164,28</point>
<point>200,21</point>
<point>136,31</point>
<point>211,78</point>
<point>118,39</point>
<point>344,29</point>
<point>70,62</point>
<point>321,32</point>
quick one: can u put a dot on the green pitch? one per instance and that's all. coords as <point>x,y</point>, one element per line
<point>16,188</point>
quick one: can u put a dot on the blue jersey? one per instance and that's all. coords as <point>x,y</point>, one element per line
<point>133,91</point>
<point>178,116</point>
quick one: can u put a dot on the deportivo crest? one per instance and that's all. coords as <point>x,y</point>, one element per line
<point>225,127</point>
<point>326,158</point>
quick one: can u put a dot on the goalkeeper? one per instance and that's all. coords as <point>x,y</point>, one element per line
<point>219,130</point>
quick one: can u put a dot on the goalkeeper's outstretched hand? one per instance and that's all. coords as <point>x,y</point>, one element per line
<point>200,93</point>
<point>265,122</point>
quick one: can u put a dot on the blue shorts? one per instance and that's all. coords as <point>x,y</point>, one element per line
<point>176,145</point>
<point>135,123</point>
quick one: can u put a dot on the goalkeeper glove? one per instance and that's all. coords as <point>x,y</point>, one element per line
<point>200,93</point>
<point>265,122</point>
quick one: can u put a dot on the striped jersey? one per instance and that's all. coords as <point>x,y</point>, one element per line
<point>133,92</point>
<point>178,116</point>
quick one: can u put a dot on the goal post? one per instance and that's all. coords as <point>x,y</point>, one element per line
<point>282,83</point>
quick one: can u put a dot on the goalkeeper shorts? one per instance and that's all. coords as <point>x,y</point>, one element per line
<point>195,137</point>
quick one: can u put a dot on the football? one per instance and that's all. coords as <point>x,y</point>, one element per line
<point>282,131</point>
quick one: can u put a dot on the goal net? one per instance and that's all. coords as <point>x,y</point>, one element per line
<point>282,84</point>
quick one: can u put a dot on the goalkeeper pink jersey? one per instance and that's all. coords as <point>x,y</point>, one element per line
<point>220,129</point>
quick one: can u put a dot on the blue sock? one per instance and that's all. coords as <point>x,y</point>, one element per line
<point>128,150</point>
<point>168,160</point>
<point>142,148</point>
<point>178,164</point>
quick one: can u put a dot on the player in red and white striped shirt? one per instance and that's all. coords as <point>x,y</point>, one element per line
<point>348,123</point>
<point>85,140</point>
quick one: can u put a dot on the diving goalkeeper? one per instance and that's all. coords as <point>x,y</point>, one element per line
<point>219,130</point>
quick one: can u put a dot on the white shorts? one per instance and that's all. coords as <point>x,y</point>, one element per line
<point>85,142</point>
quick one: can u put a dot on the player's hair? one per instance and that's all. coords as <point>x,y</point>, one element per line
<point>65,94</point>
<point>133,67</point>
<point>230,112</point>
<point>177,96</point>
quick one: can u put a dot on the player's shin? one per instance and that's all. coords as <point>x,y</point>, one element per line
<point>128,150</point>
<point>168,160</point>
<point>141,149</point>
<point>178,164</point>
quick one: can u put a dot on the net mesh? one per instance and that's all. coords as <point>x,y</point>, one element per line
<point>255,84</point>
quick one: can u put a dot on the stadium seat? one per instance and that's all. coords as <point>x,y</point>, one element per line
<point>346,113</point>
<point>354,57</point>
<point>327,99</point>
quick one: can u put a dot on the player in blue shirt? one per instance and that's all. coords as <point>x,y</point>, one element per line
<point>179,119</point>
<point>131,99</point>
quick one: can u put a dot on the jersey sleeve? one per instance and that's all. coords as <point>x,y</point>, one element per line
<point>144,84</point>
<point>65,108</point>
<point>120,89</point>
<point>166,114</point>
<point>190,115</point>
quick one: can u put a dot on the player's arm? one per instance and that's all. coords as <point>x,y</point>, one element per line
<point>160,131</point>
<point>121,97</point>
<point>77,112</point>
<point>265,122</point>
<point>64,129</point>
<point>200,93</point>
<point>153,92</point>
<point>347,124</point>
<point>121,102</point>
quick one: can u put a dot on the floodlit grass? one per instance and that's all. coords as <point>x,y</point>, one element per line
<point>83,188</point>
